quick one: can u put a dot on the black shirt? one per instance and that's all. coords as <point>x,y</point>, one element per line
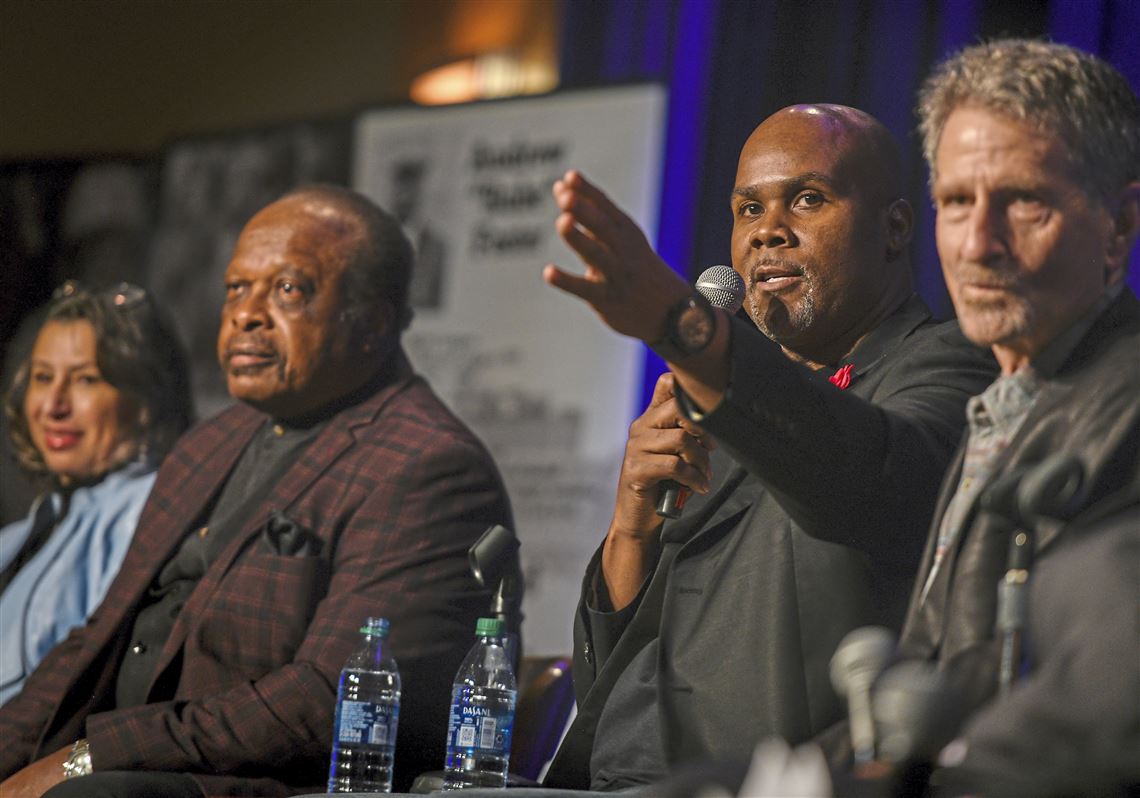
<point>269,455</point>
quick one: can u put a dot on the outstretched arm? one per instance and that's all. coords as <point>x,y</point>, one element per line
<point>628,285</point>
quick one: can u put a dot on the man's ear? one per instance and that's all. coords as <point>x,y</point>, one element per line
<point>1123,233</point>
<point>900,227</point>
<point>371,326</point>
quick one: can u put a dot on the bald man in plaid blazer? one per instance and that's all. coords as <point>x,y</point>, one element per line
<point>373,517</point>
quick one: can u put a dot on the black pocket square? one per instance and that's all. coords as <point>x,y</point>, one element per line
<point>285,537</point>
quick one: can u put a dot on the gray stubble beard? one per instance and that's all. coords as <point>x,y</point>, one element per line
<point>800,317</point>
<point>998,323</point>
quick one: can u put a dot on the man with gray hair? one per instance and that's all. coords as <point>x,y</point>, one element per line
<point>1034,155</point>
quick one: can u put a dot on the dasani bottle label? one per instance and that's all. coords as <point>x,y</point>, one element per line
<point>474,724</point>
<point>366,722</point>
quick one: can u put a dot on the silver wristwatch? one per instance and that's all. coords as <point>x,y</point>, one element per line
<point>78,762</point>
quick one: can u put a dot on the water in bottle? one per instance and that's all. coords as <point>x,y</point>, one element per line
<point>367,711</point>
<point>482,713</point>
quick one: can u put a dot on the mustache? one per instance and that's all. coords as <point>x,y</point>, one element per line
<point>987,276</point>
<point>250,345</point>
<point>770,264</point>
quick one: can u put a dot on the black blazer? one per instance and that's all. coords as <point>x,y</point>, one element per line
<point>814,526</point>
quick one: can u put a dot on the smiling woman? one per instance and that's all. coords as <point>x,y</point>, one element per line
<point>99,401</point>
<point>78,422</point>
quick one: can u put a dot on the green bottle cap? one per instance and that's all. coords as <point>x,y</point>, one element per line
<point>375,627</point>
<point>489,627</point>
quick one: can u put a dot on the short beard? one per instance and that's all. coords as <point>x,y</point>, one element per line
<point>997,323</point>
<point>795,318</point>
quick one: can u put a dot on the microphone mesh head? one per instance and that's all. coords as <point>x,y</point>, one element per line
<point>722,287</point>
<point>860,657</point>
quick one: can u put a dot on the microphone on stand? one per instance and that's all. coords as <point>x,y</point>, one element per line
<point>491,558</point>
<point>1054,488</point>
<point>723,288</point>
<point>860,658</point>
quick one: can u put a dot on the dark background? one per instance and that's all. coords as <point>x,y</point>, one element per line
<point>96,96</point>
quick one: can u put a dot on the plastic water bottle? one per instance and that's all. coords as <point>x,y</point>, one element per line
<point>482,713</point>
<point>367,712</point>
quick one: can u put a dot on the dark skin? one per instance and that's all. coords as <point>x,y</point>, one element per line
<point>37,778</point>
<point>284,343</point>
<point>816,215</point>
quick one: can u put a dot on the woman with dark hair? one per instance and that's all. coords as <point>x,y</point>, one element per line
<point>101,398</point>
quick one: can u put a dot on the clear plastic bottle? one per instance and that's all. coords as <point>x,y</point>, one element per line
<point>367,712</point>
<point>482,713</point>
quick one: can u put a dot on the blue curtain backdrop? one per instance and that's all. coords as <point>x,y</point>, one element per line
<point>730,63</point>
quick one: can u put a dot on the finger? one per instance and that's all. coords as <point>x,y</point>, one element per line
<point>597,212</point>
<point>600,222</point>
<point>582,287</point>
<point>583,242</point>
<point>693,452</point>
<point>698,433</point>
<point>575,182</point>
<point>663,413</point>
<point>654,469</point>
<point>664,390</point>
<point>669,440</point>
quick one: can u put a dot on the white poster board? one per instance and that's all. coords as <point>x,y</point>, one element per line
<point>544,383</point>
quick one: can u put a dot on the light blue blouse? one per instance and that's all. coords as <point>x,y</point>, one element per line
<point>66,580</point>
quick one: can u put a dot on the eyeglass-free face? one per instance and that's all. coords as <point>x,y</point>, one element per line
<point>284,344</point>
<point>81,424</point>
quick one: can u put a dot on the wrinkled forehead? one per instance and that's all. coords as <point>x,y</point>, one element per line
<point>986,133</point>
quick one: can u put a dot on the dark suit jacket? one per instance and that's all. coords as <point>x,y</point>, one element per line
<point>1089,408</point>
<point>809,531</point>
<point>1072,726</point>
<point>394,489</point>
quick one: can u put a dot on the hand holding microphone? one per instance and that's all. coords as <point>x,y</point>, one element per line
<point>664,448</point>
<point>723,288</point>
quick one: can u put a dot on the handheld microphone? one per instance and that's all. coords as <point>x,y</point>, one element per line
<point>860,658</point>
<point>723,288</point>
<point>916,712</point>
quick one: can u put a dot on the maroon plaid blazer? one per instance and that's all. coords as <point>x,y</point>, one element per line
<point>396,489</point>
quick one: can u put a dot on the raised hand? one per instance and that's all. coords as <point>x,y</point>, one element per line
<point>626,282</point>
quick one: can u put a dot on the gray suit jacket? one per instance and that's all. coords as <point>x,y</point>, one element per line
<point>813,527</point>
<point>1089,408</point>
<point>1072,725</point>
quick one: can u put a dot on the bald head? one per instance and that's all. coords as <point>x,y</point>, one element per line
<point>867,154</point>
<point>379,254</point>
<point>820,228</point>
<point>314,296</point>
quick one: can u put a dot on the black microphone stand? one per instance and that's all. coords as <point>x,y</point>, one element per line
<point>490,558</point>
<point>1053,489</point>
